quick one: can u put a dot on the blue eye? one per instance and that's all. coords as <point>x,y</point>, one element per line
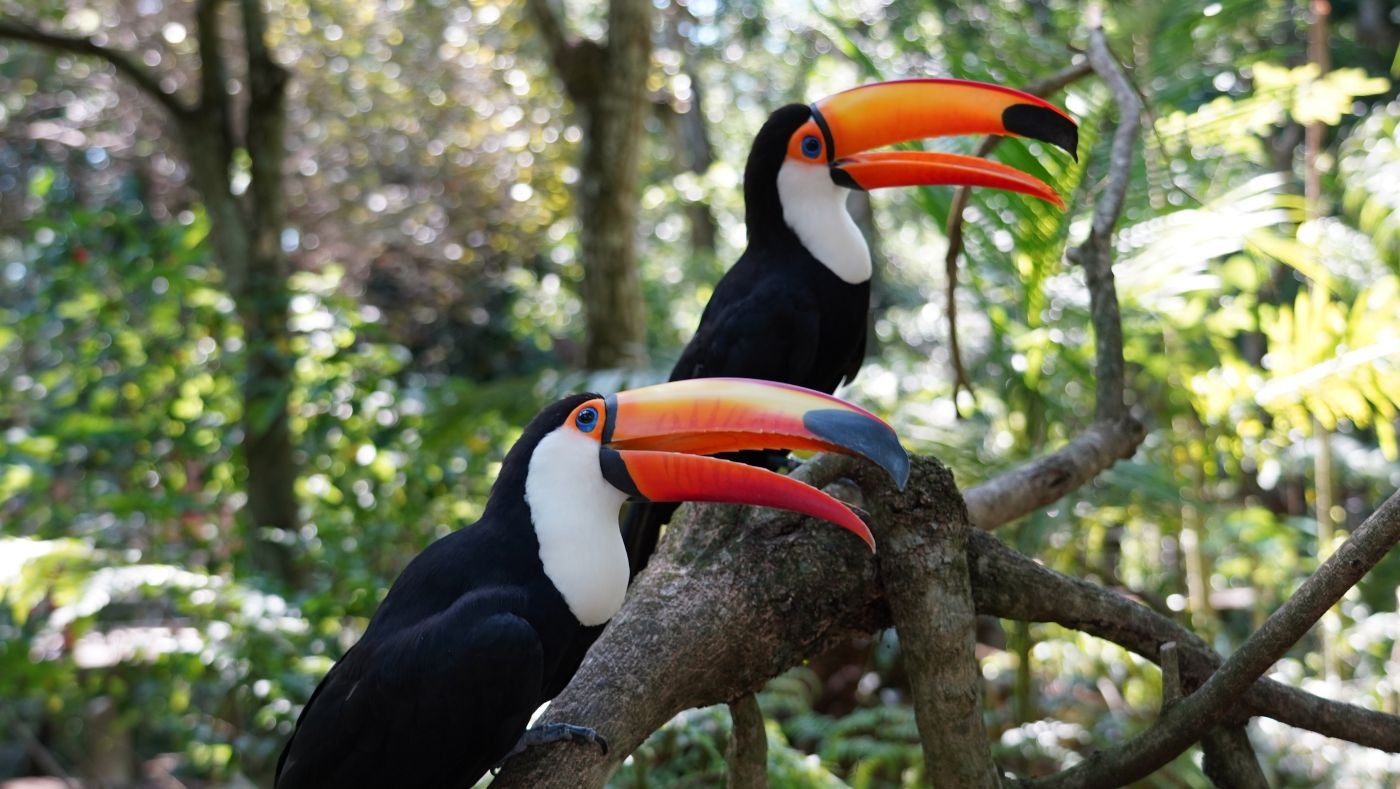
<point>811,147</point>
<point>587,419</point>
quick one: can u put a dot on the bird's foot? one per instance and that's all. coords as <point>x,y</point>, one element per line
<point>555,732</point>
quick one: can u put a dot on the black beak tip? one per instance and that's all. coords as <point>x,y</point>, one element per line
<point>901,472</point>
<point>1044,124</point>
<point>863,436</point>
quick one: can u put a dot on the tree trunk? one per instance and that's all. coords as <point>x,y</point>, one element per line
<point>608,87</point>
<point>246,240</point>
<point>608,196</point>
<point>267,437</point>
<point>691,140</point>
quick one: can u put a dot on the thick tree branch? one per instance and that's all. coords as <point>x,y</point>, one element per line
<point>1188,721</point>
<point>1010,585</point>
<point>923,568</point>
<point>734,597</point>
<point>731,598</point>
<point>747,755</point>
<point>1230,762</point>
<point>127,67</point>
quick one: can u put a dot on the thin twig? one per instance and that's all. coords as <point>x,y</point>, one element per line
<point>1096,253</point>
<point>137,74</point>
<point>1041,87</point>
<point>1115,434</point>
<point>1188,721</point>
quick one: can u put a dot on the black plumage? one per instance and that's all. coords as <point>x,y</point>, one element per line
<point>778,314</point>
<point>470,640</point>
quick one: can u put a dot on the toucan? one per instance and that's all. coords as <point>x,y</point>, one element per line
<point>484,625</point>
<point>794,308</point>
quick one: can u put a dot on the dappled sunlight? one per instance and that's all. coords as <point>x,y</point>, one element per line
<point>413,291</point>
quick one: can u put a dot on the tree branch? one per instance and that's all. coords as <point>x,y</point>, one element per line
<point>267,83</point>
<point>923,568</point>
<point>1186,722</point>
<point>747,755</point>
<point>734,597</point>
<point>1096,253</point>
<point>214,104</point>
<point>1010,585</point>
<point>731,598</point>
<point>1229,758</point>
<point>1116,434</point>
<point>1171,674</point>
<point>135,73</point>
<point>579,62</point>
<point>551,29</point>
<point>1048,478</point>
<point>41,755</point>
<point>1230,762</point>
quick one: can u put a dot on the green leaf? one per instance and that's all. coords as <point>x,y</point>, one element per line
<point>41,181</point>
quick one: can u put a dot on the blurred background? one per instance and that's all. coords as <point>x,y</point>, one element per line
<point>164,612</point>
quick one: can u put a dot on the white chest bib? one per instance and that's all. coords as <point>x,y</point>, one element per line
<point>815,208</point>
<point>574,511</point>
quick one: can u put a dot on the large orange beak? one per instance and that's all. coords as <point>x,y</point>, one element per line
<point>854,122</point>
<point>655,439</point>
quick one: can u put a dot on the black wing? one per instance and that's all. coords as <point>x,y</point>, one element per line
<point>767,332</point>
<point>434,704</point>
<point>764,330</point>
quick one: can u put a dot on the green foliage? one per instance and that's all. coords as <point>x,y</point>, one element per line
<point>689,751</point>
<point>119,401</point>
<point>119,466</point>
<point>1370,166</point>
<point>435,308</point>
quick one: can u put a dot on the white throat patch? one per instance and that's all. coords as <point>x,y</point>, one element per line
<point>815,208</point>
<point>574,510</point>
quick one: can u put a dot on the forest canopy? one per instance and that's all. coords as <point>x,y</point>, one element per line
<point>281,282</point>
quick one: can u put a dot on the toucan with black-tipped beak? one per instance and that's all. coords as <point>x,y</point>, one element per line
<point>794,308</point>
<point>484,625</point>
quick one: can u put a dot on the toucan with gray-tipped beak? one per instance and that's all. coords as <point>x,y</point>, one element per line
<point>484,625</point>
<point>794,308</point>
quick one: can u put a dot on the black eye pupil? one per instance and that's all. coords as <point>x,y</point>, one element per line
<point>811,146</point>
<point>586,419</point>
